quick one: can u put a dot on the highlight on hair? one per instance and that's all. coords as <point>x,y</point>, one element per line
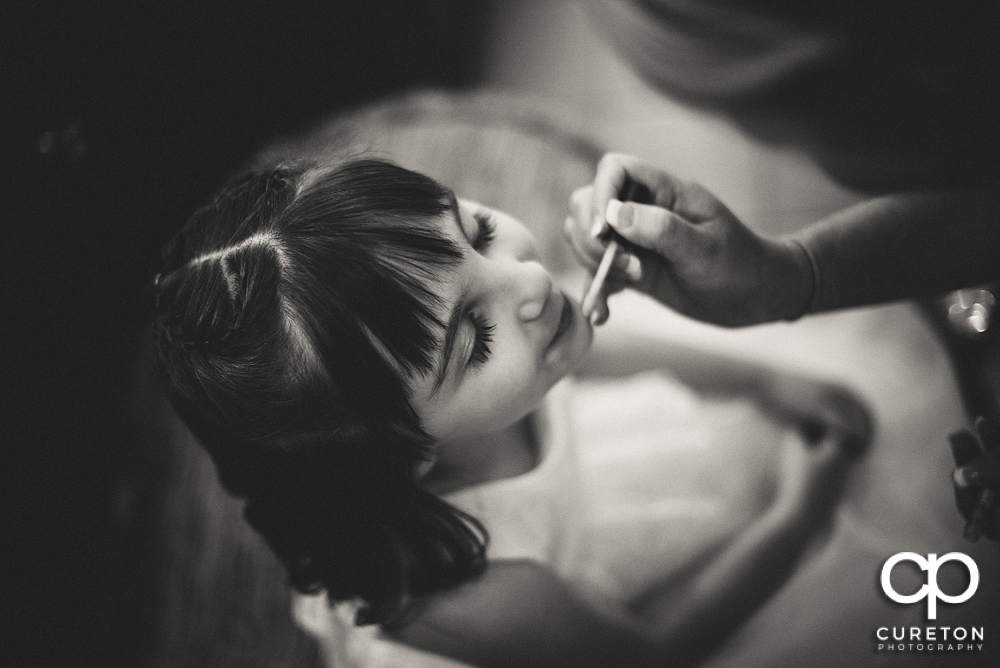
<point>290,313</point>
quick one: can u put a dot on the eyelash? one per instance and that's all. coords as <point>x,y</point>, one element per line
<point>484,337</point>
<point>487,230</point>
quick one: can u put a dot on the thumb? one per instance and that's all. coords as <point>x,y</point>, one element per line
<point>655,228</point>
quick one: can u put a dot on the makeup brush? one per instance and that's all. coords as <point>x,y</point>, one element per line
<point>633,191</point>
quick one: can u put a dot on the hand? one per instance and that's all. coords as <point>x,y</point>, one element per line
<point>977,461</point>
<point>686,250</point>
<point>811,480</point>
<point>819,410</point>
<point>834,428</point>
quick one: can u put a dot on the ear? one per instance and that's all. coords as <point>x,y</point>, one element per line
<point>313,614</point>
<point>424,466</point>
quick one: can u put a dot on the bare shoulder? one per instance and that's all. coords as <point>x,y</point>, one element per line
<point>521,613</point>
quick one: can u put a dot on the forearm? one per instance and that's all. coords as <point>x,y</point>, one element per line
<point>905,245</point>
<point>694,620</point>
<point>619,352</point>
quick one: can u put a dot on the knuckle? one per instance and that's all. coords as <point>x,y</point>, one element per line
<point>610,160</point>
<point>712,248</point>
<point>568,227</point>
<point>694,188</point>
<point>579,200</point>
<point>662,223</point>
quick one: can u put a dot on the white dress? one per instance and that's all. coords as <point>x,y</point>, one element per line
<point>636,479</point>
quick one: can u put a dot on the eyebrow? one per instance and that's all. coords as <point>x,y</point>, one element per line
<point>457,311</point>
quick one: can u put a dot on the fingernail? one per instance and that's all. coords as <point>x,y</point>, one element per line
<point>611,214</point>
<point>619,215</point>
<point>634,268</point>
<point>596,228</point>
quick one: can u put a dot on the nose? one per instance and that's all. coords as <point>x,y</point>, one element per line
<point>532,285</point>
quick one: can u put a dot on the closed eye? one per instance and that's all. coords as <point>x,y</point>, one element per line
<point>486,231</point>
<point>484,337</point>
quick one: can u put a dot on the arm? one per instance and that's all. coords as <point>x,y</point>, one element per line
<point>696,617</point>
<point>812,406</point>
<point>520,613</point>
<point>692,254</point>
<point>618,352</point>
<point>904,245</point>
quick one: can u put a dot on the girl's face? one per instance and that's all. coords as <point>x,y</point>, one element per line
<point>511,332</point>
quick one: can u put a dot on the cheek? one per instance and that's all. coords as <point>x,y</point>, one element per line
<point>517,235</point>
<point>503,392</point>
<point>486,403</point>
<point>505,398</point>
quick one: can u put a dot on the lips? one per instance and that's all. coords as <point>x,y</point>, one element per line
<point>565,321</point>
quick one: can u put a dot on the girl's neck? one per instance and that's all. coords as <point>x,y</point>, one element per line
<point>505,454</point>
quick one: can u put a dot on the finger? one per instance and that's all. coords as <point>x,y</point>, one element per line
<point>597,313</point>
<point>600,314</point>
<point>964,446</point>
<point>657,229</point>
<point>608,182</point>
<point>594,302</point>
<point>614,171</point>
<point>579,202</point>
<point>602,309</point>
<point>580,219</point>
<point>850,417</point>
<point>626,269</point>
<point>694,202</point>
<point>588,251</point>
<point>576,228</point>
<point>827,447</point>
<point>580,211</point>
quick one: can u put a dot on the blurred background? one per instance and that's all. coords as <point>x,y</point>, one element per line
<point>120,118</point>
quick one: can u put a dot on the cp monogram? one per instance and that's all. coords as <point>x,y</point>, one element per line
<point>930,590</point>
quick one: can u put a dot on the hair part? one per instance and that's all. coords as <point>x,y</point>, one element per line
<point>291,313</point>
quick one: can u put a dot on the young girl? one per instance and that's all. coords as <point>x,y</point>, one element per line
<point>369,362</point>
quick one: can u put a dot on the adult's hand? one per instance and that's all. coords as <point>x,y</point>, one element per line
<point>977,478</point>
<point>686,250</point>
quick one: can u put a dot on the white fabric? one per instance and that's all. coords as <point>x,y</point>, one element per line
<point>636,479</point>
<point>899,497</point>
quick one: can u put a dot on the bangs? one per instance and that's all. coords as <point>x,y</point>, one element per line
<point>368,233</point>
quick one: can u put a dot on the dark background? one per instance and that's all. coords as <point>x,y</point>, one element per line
<point>119,118</point>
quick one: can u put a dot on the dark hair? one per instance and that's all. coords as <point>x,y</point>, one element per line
<point>291,311</point>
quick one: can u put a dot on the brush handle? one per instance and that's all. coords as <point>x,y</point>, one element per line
<point>633,191</point>
<point>590,299</point>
